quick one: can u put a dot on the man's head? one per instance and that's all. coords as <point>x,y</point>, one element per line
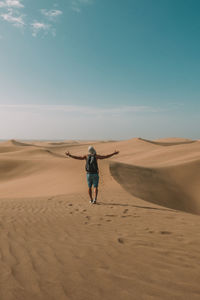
<point>91,150</point>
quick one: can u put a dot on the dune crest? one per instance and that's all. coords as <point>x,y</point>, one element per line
<point>168,142</point>
<point>18,143</point>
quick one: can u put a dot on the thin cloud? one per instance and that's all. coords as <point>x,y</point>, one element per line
<point>85,1</point>
<point>12,18</point>
<point>76,5</point>
<point>38,27</point>
<point>51,14</point>
<point>86,110</point>
<point>10,11</point>
<point>11,3</point>
<point>41,27</point>
<point>76,8</point>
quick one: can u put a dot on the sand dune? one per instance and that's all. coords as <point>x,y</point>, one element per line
<point>169,142</point>
<point>165,176</point>
<point>141,242</point>
<point>17,143</point>
<point>174,187</point>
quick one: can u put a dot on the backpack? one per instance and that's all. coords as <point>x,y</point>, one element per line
<point>91,164</point>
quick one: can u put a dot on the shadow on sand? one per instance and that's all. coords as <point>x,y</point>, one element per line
<point>136,206</point>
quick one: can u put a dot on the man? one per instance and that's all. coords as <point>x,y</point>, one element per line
<point>92,169</point>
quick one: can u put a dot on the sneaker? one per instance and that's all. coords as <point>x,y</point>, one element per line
<point>94,201</point>
<point>91,201</point>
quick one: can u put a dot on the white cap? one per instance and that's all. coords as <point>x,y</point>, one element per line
<point>91,150</point>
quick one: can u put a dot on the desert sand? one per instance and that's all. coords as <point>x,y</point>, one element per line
<point>141,241</point>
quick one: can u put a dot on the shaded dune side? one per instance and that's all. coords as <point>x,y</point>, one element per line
<point>6,149</point>
<point>17,143</point>
<point>28,152</point>
<point>40,152</point>
<point>11,146</point>
<point>65,143</point>
<point>13,168</point>
<point>168,143</point>
<point>175,187</point>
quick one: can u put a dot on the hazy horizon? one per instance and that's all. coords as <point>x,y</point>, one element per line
<point>97,140</point>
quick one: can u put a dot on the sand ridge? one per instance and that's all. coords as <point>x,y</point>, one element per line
<point>169,141</point>
<point>137,243</point>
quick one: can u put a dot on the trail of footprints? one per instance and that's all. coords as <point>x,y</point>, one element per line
<point>99,219</point>
<point>95,215</point>
<point>73,209</point>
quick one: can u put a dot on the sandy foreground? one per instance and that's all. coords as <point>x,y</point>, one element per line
<point>142,240</point>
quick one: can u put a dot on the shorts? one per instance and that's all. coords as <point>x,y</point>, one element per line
<point>93,179</point>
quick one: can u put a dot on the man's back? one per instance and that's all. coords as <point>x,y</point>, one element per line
<point>91,164</point>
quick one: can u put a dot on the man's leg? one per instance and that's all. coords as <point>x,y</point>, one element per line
<point>90,194</point>
<point>95,194</point>
<point>89,186</point>
<point>96,182</point>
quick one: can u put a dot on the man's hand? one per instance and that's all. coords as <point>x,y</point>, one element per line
<point>67,153</point>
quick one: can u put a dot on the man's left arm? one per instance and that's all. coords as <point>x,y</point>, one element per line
<point>107,156</point>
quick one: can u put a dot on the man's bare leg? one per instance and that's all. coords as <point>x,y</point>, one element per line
<point>90,194</point>
<point>95,193</point>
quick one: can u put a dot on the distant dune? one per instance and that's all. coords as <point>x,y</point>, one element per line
<point>169,141</point>
<point>140,242</point>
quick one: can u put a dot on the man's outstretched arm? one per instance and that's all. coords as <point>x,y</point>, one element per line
<point>107,156</point>
<point>75,156</point>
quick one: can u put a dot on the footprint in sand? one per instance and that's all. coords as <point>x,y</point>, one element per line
<point>165,232</point>
<point>125,211</point>
<point>70,204</point>
<point>149,231</point>
<point>129,216</point>
<point>110,215</point>
<point>120,240</point>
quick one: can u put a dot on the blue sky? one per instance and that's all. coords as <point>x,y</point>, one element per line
<point>99,69</point>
